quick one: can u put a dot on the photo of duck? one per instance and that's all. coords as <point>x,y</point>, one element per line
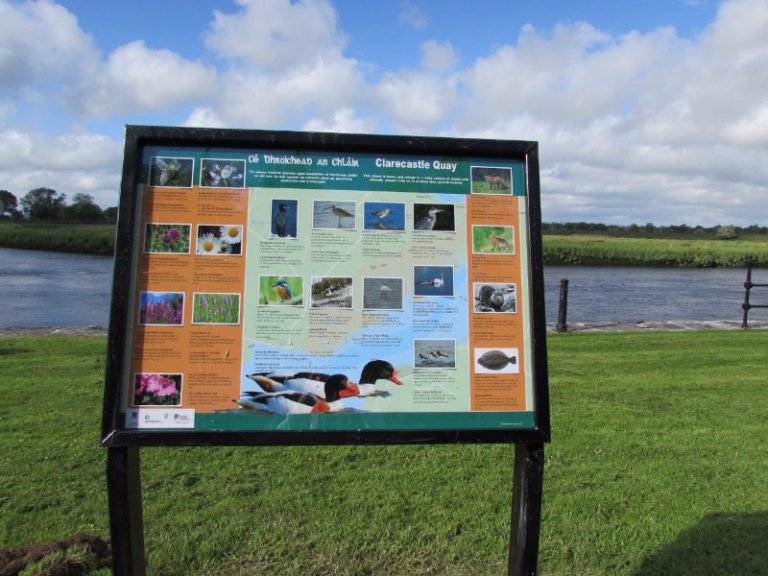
<point>288,402</point>
<point>314,392</point>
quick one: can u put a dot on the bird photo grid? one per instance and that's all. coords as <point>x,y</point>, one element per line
<point>327,291</point>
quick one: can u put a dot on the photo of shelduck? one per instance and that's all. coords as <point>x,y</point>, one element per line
<point>311,392</point>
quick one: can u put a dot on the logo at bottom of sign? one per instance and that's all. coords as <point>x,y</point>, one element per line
<point>160,418</point>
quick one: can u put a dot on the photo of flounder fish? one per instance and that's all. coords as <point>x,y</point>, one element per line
<point>496,360</point>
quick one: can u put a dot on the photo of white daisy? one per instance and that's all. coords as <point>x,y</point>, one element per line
<point>208,245</point>
<point>220,239</point>
<point>231,234</point>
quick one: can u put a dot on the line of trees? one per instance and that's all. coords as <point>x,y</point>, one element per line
<point>682,231</point>
<point>48,204</point>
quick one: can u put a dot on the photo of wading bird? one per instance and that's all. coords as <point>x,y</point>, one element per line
<point>381,214</point>
<point>427,221</point>
<point>340,212</point>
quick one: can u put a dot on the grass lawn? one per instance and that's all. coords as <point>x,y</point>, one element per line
<point>658,466</point>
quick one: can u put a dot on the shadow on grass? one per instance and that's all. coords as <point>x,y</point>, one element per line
<point>12,351</point>
<point>718,545</point>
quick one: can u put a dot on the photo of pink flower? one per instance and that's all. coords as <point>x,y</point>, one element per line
<point>152,389</point>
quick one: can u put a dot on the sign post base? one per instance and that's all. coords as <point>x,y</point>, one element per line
<point>526,509</point>
<point>125,512</point>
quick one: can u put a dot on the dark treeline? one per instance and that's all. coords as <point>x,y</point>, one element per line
<point>48,204</point>
<point>682,231</point>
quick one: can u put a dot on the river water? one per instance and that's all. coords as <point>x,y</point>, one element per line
<point>39,289</point>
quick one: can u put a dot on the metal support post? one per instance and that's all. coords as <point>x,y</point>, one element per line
<point>125,513</point>
<point>526,509</point>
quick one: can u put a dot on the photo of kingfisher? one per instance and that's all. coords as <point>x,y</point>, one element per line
<point>281,290</point>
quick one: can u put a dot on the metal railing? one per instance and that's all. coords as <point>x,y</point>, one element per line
<point>748,285</point>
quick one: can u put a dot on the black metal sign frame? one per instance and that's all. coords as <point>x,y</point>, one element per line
<point>126,243</point>
<point>124,444</point>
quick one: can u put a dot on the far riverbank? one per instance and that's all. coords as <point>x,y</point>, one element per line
<point>573,250</point>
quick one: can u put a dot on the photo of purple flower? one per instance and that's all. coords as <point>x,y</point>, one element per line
<point>161,308</point>
<point>167,238</point>
<point>215,308</point>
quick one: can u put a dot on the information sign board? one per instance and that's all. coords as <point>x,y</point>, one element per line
<point>281,287</point>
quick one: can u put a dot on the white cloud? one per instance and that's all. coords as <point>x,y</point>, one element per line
<point>69,163</point>
<point>638,127</point>
<point>438,56</point>
<point>135,78</point>
<point>247,99</point>
<point>411,15</point>
<point>342,120</point>
<point>276,34</point>
<point>41,42</point>
<point>417,101</point>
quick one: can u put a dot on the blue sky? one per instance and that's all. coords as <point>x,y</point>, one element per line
<point>645,111</point>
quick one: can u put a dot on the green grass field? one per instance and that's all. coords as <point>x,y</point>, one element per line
<point>606,251</point>
<point>658,466</point>
<point>96,239</point>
